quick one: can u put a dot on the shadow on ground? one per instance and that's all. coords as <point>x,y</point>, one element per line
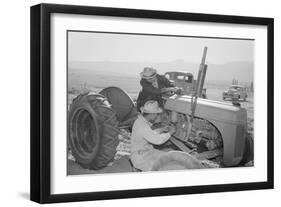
<point>118,166</point>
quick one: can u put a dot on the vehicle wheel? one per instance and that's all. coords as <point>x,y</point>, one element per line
<point>92,131</point>
<point>248,154</point>
<point>122,104</point>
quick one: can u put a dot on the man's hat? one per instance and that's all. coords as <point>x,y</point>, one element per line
<point>148,73</point>
<point>151,107</point>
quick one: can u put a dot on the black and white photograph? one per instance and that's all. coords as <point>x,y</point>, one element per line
<point>140,102</point>
<point>129,103</point>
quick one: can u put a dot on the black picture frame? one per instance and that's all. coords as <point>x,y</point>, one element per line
<point>41,102</point>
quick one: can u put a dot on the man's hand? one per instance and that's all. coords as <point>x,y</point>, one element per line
<point>170,89</point>
<point>166,129</point>
<point>172,129</point>
<point>163,129</point>
<point>164,90</point>
<point>174,89</point>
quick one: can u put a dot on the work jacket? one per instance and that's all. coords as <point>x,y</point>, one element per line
<point>143,136</point>
<point>149,92</point>
<point>143,154</point>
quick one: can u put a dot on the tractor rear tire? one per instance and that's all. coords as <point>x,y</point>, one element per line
<point>92,131</point>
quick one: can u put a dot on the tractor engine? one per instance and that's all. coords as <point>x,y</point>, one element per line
<point>216,126</point>
<point>202,135</point>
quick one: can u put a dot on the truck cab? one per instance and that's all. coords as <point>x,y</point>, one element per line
<point>185,81</point>
<point>182,80</point>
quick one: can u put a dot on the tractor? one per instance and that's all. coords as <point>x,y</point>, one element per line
<point>206,129</point>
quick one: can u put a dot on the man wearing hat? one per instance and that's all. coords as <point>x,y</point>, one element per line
<point>143,154</point>
<point>145,157</point>
<point>153,86</point>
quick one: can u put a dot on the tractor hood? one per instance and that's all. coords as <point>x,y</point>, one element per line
<point>208,109</point>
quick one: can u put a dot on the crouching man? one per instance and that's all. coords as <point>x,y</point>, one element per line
<point>145,157</point>
<point>143,154</point>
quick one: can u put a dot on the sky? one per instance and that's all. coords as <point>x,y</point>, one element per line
<point>91,47</point>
